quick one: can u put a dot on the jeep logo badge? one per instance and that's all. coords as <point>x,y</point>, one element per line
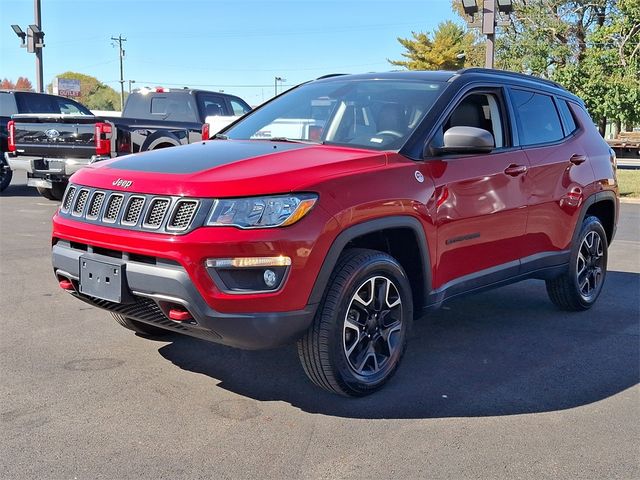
<point>122,183</point>
<point>52,133</point>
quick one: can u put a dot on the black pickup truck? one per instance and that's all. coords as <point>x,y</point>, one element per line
<point>14,102</point>
<point>52,147</point>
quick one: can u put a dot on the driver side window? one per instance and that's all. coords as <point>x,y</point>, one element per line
<point>479,110</point>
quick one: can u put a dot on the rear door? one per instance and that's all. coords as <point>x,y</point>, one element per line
<point>481,199</point>
<point>559,173</point>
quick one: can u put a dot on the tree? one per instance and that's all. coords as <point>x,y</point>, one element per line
<point>448,48</point>
<point>93,93</point>
<point>22,83</point>
<point>589,46</point>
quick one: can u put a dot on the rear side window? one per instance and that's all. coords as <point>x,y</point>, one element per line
<point>567,117</point>
<point>7,105</point>
<point>39,103</point>
<point>538,118</point>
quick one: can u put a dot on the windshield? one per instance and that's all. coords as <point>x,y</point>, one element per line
<point>377,114</point>
<point>28,102</point>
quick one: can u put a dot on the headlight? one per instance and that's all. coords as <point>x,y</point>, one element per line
<point>261,212</point>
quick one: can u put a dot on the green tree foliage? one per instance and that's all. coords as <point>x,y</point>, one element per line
<point>592,47</point>
<point>94,94</point>
<point>441,50</point>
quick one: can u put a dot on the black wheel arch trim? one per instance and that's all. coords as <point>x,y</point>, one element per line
<point>371,226</point>
<point>158,138</point>
<point>605,196</point>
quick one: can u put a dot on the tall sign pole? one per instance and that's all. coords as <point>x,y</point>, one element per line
<point>120,39</point>
<point>38,49</point>
<point>489,29</point>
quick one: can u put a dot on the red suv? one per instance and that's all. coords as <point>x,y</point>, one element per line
<point>339,211</point>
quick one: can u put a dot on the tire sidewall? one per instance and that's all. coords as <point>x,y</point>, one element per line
<point>376,266</point>
<point>588,225</point>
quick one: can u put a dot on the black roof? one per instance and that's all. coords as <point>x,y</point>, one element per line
<point>465,75</point>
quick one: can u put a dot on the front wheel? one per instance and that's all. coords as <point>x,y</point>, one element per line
<point>579,288</point>
<point>359,333</point>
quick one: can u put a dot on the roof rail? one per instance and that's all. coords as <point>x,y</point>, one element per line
<point>329,75</point>
<point>508,73</point>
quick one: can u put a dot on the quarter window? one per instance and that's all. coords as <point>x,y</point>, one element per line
<point>567,117</point>
<point>539,120</point>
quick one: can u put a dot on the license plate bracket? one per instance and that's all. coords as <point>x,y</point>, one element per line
<point>103,279</point>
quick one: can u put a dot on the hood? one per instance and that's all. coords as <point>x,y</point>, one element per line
<point>227,168</point>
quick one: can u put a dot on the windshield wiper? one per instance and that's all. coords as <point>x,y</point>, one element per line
<point>292,140</point>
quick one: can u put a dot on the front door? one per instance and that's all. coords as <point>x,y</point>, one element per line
<point>481,201</point>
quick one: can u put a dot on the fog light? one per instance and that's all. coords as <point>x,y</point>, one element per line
<point>270,278</point>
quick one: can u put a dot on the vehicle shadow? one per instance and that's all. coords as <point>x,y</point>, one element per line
<point>19,191</point>
<point>503,352</point>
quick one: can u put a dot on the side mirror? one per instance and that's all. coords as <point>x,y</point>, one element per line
<point>466,140</point>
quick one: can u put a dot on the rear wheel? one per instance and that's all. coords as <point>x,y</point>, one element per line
<point>140,327</point>
<point>579,288</point>
<point>5,176</point>
<point>56,192</point>
<point>358,336</point>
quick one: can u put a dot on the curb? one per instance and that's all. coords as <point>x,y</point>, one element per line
<point>630,200</point>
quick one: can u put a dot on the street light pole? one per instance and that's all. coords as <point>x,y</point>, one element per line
<point>38,22</point>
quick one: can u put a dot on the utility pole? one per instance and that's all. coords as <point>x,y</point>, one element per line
<point>37,18</point>
<point>120,39</point>
<point>275,84</point>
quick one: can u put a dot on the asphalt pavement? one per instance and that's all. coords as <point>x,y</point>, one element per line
<point>496,385</point>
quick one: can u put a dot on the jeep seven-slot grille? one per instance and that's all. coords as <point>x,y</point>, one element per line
<point>163,214</point>
<point>81,201</point>
<point>95,205</point>
<point>157,212</point>
<point>182,214</point>
<point>113,208</point>
<point>133,211</point>
<point>68,199</point>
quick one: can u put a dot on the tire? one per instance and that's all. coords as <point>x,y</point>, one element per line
<point>360,330</point>
<point>140,327</point>
<point>579,288</point>
<point>6,174</point>
<point>55,193</point>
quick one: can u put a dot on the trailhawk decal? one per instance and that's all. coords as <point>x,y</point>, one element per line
<point>200,156</point>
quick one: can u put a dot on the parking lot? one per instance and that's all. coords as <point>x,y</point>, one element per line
<point>497,385</point>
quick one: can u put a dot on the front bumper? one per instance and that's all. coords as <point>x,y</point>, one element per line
<point>153,287</point>
<point>42,171</point>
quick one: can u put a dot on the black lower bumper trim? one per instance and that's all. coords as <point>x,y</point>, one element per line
<point>247,331</point>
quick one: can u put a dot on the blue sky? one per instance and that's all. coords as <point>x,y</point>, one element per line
<point>236,46</point>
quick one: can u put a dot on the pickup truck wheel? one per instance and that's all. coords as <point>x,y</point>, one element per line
<point>359,333</point>
<point>56,192</point>
<point>579,288</point>
<point>140,327</point>
<point>5,176</point>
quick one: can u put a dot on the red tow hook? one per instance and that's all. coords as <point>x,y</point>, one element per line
<point>179,315</point>
<point>66,284</point>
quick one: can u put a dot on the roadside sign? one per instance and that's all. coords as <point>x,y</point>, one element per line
<point>66,87</point>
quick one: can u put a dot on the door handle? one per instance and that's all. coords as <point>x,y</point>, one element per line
<point>514,170</point>
<point>578,159</point>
